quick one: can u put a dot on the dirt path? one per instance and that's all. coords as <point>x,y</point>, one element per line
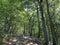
<point>22,40</point>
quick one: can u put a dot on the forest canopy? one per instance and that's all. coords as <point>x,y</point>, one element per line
<point>35,18</point>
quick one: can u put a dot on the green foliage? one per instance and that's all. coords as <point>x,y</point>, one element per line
<point>15,13</point>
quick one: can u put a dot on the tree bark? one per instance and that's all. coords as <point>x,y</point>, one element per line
<point>38,23</point>
<point>54,36</point>
<point>24,32</point>
<point>46,38</point>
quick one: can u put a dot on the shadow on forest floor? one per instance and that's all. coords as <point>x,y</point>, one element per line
<point>23,40</point>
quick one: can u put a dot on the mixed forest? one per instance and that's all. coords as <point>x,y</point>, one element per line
<point>35,18</point>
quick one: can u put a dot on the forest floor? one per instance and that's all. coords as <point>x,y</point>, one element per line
<point>23,40</point>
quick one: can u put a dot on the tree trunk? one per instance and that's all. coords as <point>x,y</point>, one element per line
<point>1,40</point>
<point>38,23</point>
<point>32,24</point>
<point>46,39</point>
<point>54,36</point>
<point>24,32</point>
<point>30,31</point>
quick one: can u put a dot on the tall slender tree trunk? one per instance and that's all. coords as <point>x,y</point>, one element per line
<point>24,32</point>
<point>38,23</point>
<point>30,31</point>
<point>1,40</point>
<point>32,24</point>
<point>46,39</point>
<point>54,36</point>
